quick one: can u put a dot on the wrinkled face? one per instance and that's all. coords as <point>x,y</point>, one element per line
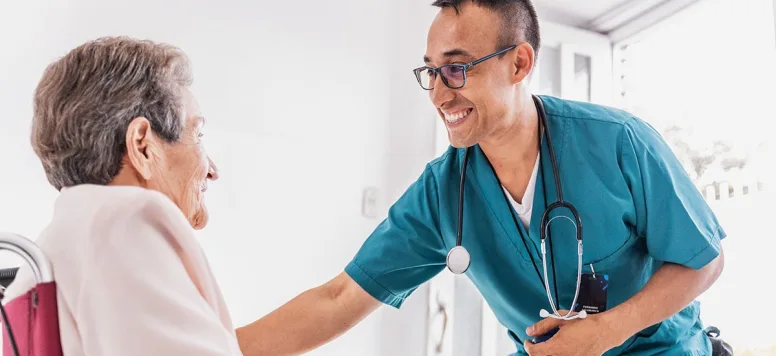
<point>180,170</point>
<point>488,101</point>
<point>187,168</point>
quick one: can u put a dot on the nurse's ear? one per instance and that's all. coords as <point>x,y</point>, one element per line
<point>523,61</point>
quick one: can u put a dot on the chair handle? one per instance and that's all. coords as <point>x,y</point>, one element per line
<point>31,253</point>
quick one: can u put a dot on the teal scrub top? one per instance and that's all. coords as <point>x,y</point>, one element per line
<point>638,207</point>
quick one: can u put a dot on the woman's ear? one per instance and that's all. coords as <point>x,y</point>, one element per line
<point>140,142</point>
<point>524,61</point>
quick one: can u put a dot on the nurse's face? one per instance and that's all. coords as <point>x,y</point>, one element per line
<point>489,99</point>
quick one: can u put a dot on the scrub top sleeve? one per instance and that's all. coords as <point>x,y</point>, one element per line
<point>678,224</point>
<point>406,249</point>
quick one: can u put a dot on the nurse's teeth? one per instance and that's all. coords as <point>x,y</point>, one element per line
<point>453,117</point>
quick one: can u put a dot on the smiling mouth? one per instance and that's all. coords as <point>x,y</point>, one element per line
<point>203,188</point>
<point>457,116</point>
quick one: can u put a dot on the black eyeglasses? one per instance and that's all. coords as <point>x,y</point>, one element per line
<point>453,75</point>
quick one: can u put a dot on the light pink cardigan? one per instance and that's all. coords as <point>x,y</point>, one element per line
<point>131,277</point>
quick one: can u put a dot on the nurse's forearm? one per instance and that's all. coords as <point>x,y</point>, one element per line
<point>670,290</point>
<point>298,326</point>
<point>308,321</point>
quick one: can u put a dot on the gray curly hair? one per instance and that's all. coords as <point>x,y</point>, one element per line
<point>85,101</point>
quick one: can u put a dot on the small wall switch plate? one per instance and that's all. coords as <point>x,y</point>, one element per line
<point>369,202</point>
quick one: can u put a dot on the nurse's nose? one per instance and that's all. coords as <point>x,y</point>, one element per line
<point>440,94</point>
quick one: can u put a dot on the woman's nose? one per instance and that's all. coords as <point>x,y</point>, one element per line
<point>212,172</point>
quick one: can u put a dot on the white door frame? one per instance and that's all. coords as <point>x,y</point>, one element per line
<point>571,41</point>
<point>774,16</point>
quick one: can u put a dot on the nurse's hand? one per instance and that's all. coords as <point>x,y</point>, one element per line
<point>593,335</point>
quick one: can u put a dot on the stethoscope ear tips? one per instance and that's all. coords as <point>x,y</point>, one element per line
<point>458,260</point>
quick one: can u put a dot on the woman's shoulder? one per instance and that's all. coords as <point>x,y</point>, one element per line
<point>116,204</point>
<point>111,195</point>
<point>115,226</point>
<point>101,218</point>
<point>91,225</point>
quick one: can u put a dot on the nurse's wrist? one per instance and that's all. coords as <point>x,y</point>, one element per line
<point>621,324</point>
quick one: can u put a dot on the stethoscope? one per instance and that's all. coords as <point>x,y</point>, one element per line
<point>459,260</point>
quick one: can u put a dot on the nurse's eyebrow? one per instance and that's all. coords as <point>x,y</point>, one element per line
<point>457,52</point>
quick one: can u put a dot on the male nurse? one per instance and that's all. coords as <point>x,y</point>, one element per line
<point>649,238</point>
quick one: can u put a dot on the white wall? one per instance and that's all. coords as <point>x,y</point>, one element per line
<point>308,103</point>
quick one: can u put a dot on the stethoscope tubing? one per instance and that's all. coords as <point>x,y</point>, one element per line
<point>461,253</point>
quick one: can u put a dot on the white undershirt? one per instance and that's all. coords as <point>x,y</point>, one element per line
<point>524,210</point>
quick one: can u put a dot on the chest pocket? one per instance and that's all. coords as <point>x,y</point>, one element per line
<point>608,252</point>
<point>606,242</point>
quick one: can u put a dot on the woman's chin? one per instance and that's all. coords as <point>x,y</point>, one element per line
<point>200,218</point>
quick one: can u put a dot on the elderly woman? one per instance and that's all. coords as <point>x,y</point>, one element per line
<point>120,135</point>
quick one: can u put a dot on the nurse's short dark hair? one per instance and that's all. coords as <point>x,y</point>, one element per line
<point>85,101</point>
<point>519,22</point>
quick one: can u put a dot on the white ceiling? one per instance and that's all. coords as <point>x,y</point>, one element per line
<point>616,18</point>
<point>577,13</point>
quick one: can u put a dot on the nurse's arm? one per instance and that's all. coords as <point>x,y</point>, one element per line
<point>670,290</point>
<point>312,319</point>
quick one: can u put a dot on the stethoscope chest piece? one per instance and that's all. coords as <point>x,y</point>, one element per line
<point>458,260</point>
